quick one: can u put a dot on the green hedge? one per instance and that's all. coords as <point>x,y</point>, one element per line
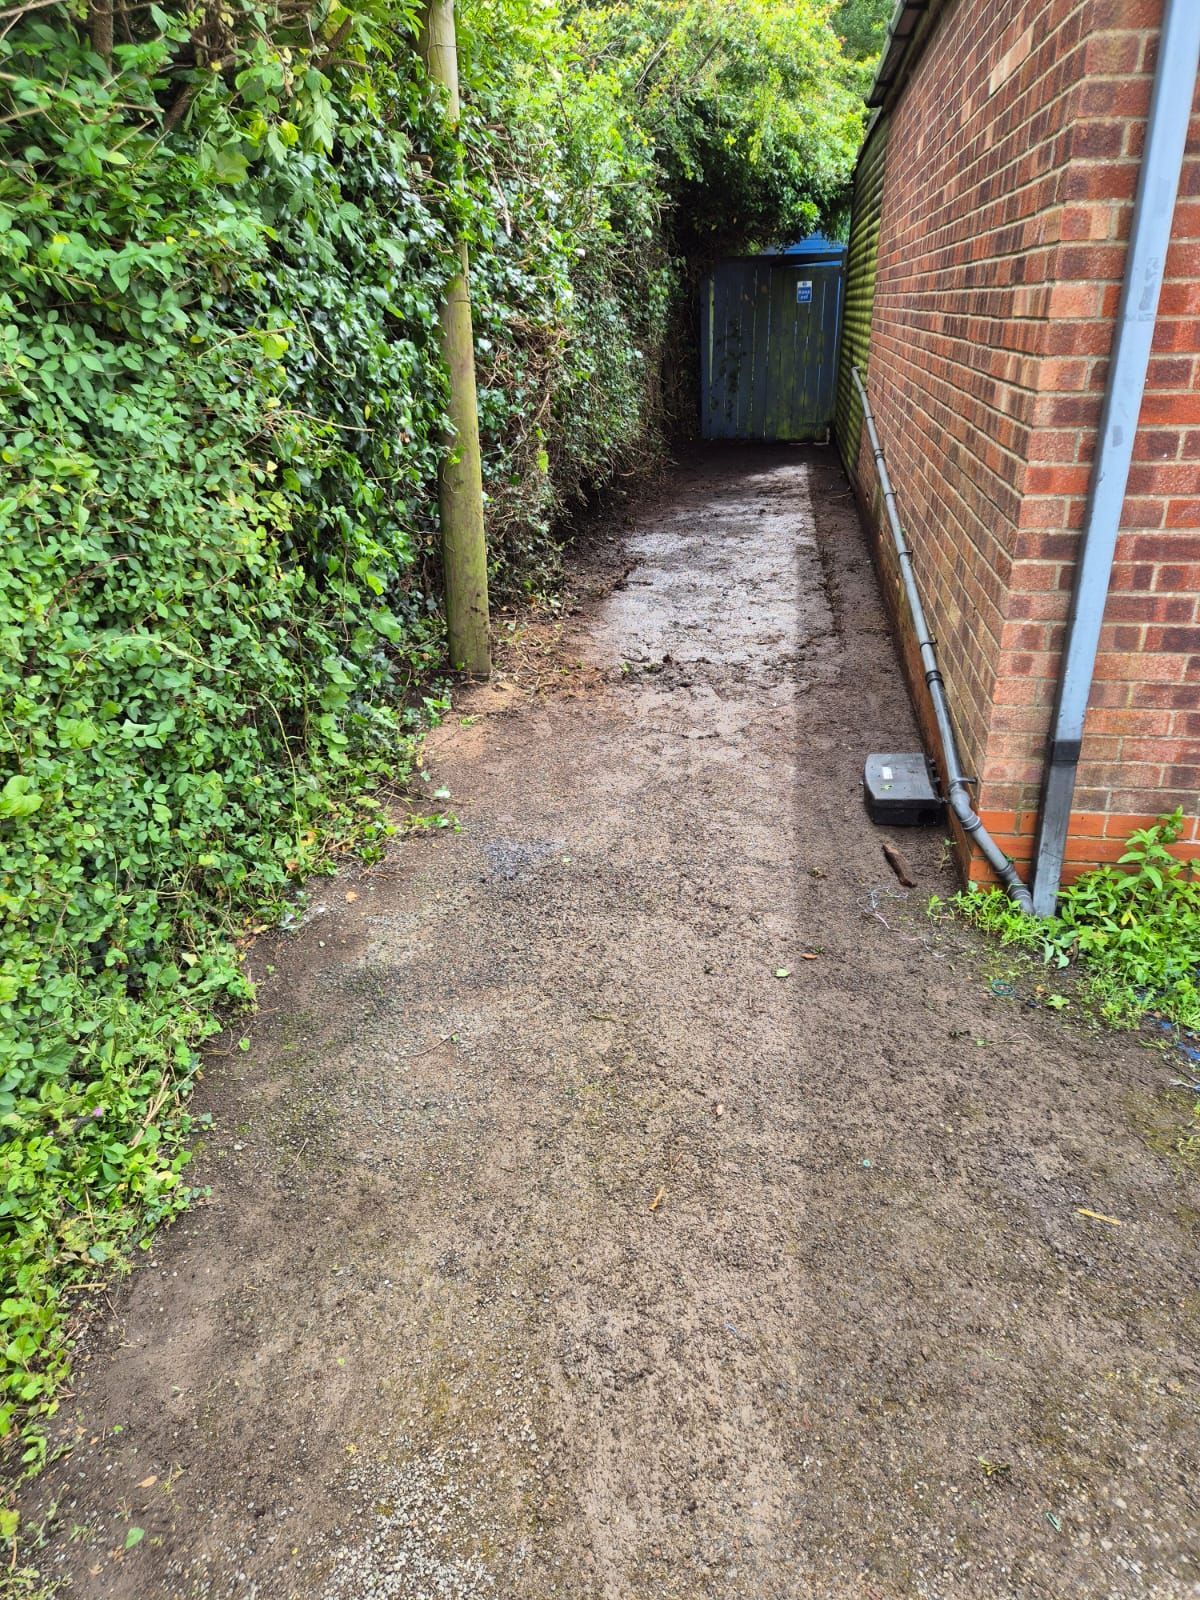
<point>222,247</point>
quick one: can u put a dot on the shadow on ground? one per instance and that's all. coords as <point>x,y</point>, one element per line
<point>559,1247</point>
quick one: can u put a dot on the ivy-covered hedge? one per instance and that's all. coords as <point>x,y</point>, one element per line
<point>224,230</point>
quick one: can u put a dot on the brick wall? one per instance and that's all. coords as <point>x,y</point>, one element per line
<point>1012,162</point>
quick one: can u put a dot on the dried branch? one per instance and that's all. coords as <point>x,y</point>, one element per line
<point>335,44</point>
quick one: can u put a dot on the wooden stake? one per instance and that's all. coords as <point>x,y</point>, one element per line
<point>460,488</point>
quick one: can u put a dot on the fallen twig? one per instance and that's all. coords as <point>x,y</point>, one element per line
<point>899,864</point>
<point>424,1051</point>
<point>1098,1216</point>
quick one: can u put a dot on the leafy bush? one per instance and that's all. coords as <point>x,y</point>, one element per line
<point>572,281</point>
<point>209,609</point>
<point>754,111</point>
<point>224,234</point>
<point>1133,928</point>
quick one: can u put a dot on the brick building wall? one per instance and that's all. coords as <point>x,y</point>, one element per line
<point>1012,159</point>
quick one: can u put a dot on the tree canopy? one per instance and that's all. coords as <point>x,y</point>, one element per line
<point>752,107</point>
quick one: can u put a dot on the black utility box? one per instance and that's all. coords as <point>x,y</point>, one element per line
<point>899,792</point>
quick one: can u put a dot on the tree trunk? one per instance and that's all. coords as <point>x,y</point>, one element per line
<point>100,28</point>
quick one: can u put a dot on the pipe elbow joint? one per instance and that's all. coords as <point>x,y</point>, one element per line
<point>972,826</point>
<point>1020,896</point>
<point>960,804</point>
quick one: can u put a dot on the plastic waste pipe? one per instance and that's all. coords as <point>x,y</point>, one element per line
<point>958,795</point>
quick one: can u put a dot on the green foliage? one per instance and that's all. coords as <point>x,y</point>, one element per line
<point>1134,929</point>
<point>23,1583</point>
<point>572,282</point>
<point>224,235</point>
<point>210,615</point>
<point>751,101</point>
<point>862,27</point>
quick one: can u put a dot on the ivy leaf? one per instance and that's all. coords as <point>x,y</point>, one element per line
<point>80,733</point>
<point>228,165</point>
<point>19,798</point>
<point>274,345</point>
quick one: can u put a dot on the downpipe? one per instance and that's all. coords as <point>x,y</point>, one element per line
<point>1149,240</point>
<point>958,794</point>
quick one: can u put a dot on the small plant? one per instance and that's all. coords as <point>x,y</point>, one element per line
<point>1133,928</point>
<point>1187,1145</point>
<point>431,822</point>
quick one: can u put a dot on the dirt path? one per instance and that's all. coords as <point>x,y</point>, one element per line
<point>558,1248</point>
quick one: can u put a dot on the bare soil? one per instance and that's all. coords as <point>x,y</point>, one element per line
<point>559,1247</point>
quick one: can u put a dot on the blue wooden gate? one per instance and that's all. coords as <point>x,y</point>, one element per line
<point>769,343</point>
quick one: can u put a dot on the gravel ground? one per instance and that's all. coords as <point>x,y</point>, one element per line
<point>559,1249</point>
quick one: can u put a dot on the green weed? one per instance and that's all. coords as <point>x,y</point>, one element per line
<point>1132,929</point>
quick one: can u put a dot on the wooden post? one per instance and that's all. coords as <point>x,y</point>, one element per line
<point>460,489</point>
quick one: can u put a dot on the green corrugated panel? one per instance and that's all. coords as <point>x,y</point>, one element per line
<point>860,286</point>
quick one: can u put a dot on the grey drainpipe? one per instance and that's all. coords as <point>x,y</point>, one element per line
<point>958,795</point>
<point>1150,234</point>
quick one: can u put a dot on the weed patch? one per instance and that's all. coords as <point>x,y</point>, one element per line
<point>1132,930</point>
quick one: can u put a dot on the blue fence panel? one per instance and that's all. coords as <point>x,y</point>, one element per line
<point>769,341</point>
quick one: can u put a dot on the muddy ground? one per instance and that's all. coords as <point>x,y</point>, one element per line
<point>559,1248</point>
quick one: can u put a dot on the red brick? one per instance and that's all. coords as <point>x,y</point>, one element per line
<point>1183,514</point>
<point>1179,300</point>
<point>1102,180</point>
<point>1090,851</point>
<point>1144,669</point>
<point>1168,372</point>
<point>1180,579</point>
<point>1157,444</point>
<point>1087,825</point>
<point>1133,14</point>
<point>1177,639</point>
<point>1176,333</point>
<point>1170,408</point>
<point>1001,257</point>
<point>1115,54</point>
<point>1179,545</point>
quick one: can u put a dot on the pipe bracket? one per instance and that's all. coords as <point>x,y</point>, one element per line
<point>1064,752</point>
